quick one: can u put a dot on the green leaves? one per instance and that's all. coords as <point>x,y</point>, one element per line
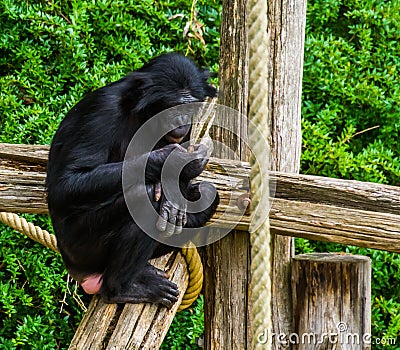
<point>32,283</point>
<point>187,328</point>
<point>351,86</point>
<point>351,119</point>
<point>51,54</point>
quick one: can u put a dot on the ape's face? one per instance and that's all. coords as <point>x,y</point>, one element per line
<point>169,81</point>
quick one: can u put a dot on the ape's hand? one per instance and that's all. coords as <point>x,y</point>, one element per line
<point>172,218</point>
<point>176,162</point>
<point>198,157</point>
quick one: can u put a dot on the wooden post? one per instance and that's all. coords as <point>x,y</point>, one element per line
<point>286,32</point>
<point>226,261</point>
<point>227,319</point>
<point>331,302</point>
<point>131,326</point>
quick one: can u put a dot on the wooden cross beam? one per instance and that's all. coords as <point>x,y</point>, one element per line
<point>326,209</point>
<point>332,210</point>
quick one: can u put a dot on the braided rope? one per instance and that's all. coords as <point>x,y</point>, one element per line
<point>30,230</point>
<point>195,268</point>
<point>192,257</point>
<point>260,238</point>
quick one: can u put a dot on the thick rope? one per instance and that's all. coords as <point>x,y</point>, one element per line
<point>30,230</point>
<point>260,238</point>
<point>195,269</point>
<point>192,257</point>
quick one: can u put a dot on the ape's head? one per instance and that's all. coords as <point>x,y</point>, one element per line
<point>170,80</point>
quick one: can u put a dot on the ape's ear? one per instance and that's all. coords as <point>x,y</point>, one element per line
<point>140,80</point>
<point>137,82</point>
<point>211,91</point>
<point>206,73</point>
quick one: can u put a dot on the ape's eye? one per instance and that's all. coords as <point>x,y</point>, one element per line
<point>185,96</point>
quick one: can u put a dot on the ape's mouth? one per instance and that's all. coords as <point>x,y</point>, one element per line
<point>177,134</point>
<point>173,139</point>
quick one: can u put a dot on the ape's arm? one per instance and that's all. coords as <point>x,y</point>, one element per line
<point>102,184</point>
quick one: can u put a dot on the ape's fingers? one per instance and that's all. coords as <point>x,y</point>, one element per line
<point>180,222</point>
<point>162,219</point>
<point>170,229</point>
<point>199,148</point>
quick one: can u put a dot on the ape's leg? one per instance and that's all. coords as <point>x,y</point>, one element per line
<point>128,278</point>
<point>209,194</point>
<point>172,220</point>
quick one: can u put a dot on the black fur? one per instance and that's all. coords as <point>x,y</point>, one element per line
<point>95,232</point>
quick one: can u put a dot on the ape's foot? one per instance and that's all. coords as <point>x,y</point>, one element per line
<point>152,286</point>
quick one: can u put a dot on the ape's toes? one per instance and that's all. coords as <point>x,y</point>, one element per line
<point>168,303</point>
<point>169,294</point>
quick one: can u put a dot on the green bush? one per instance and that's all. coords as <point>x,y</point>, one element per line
<point>351,120</point>
<point>351,90</point>
<point>51,54</point>
<point>32,288</point>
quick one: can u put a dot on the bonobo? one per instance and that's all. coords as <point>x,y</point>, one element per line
<point>102,246</point>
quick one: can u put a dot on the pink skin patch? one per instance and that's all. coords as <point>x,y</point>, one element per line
<point>92,283</point>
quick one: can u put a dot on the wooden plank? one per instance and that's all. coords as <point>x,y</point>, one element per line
<point>148,330</point>
<point>131,326</point>
<point>93,328</point>
<point>342,193</point>
<point>226,262</point>
<point>336,225</point>
<point>336,289</point>
<point>333,210</point>
<point>27,153</point>
<point>286,35</point>
<point>23,190</point>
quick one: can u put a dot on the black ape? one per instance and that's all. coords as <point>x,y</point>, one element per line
<point>102,246</point>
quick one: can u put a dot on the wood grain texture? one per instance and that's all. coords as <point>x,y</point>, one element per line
<point>333,210</point>
<point>286,35</point>
<point>331,301</point>
<point>131,326</point>
<point>25,153</point>
<point>226,269</point>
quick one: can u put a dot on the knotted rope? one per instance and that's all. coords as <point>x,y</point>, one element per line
<point>260,238</point>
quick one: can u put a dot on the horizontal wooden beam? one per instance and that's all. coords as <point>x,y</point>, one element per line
<point>326,209</point>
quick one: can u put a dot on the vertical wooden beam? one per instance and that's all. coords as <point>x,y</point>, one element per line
<point>227,261</point>
<point>286,32</point>
<point>331,302</point>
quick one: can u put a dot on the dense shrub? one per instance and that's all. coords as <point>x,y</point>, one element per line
<point>351,90</point>
<point>51,54</point>
<point>351,119</point>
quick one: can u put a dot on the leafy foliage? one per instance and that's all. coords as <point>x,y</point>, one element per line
<point>351,90</point>
<point>32,285</point>
<point>51,54</point>
<point>187,329</point>
<point>351,124</point>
